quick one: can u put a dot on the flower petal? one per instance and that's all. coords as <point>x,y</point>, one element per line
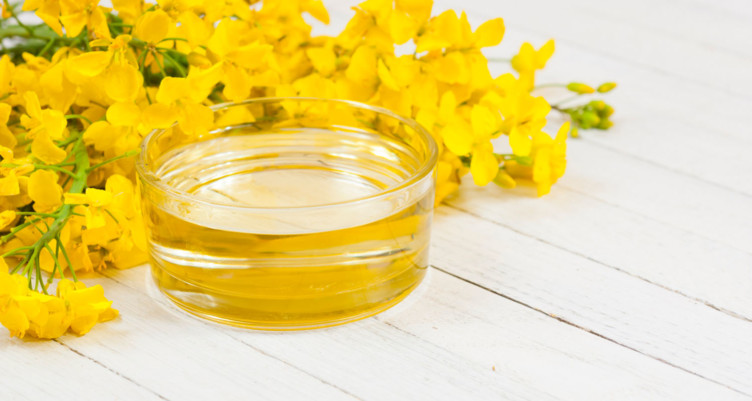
<point>123,82</point>
<point>124,114</point>
<point>91,63</point>
<point>45,150</point>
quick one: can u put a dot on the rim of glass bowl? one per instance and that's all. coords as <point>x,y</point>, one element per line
<point>427,166</point>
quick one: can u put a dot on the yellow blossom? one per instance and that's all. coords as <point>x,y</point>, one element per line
<point>76,308</point>
<point>86,306</point>
<point>48,11</point>
<point>45,191</point>
<point>7,217</point>
<point>76,15</point>
<point>528,60</point>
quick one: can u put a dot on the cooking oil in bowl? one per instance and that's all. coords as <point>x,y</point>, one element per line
<point>288,228</point>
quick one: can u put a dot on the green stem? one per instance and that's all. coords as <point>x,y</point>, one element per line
<point>173,39</point>
<point>556,106</point>
<point>129,153</point>
<point>15,17</point>
<point>550,86</point>
<point>41,167</point>
<point>78,116</point>
<point>80,175</point>
<point>177,65</point>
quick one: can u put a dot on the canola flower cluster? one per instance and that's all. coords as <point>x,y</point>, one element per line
<point>80,90</point>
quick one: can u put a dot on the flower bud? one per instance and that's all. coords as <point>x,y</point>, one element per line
<point>589,120</point>
<point>598,105</point>
<point>580,88</point>
<point>607,87</point>
<point>605,124</point>
<point>504,180</point>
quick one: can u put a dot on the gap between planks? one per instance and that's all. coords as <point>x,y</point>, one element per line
<point>562,320</point>
<point>478,16</point>
<point>620,270</point>
<point>115,372</point>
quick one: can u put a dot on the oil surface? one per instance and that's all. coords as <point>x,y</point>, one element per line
<point>290,270</point>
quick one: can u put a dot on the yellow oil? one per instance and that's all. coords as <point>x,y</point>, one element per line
<point>287,271</point>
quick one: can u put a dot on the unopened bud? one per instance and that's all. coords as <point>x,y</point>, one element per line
<point>504,180</point>
<point>607,87</point>
<point>580,88</point>
<point>589,119</point>
<point>598,104</point>
<point>605,124</point>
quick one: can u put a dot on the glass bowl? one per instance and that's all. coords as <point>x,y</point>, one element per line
<point>293,213</point>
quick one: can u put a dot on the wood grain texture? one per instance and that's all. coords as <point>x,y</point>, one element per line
<point>452,339</point>
<point>607,302</point>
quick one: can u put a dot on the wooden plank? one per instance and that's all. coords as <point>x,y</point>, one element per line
<point>38,370</point>
<point>661,195</point>
<point>697,266</point>
<point>365,359</point>
<point>624,42</point>
<point>178,359</point>
<point>523,346</point>
<point>625,309</point>
<point>709,27</point>
<point>739,9</point>
<point>179,356</point>
<point>450,340</point>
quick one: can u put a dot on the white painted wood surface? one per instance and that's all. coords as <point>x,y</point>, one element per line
<point>631,281</point>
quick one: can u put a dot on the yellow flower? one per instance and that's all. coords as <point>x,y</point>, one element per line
<point>52,122</point>
<point>7,69</point>
<point>77,14</point>
<point>549,161</point>
<point>448,174</point>
<point>9,184</point>
<point>123,82</point>
<point>180,99</point>
<point>45,191</point>
<point>324,59</point>
<point>528,60</point>
<point>7,139</point>
<point>23,311</point>
<point>96,200</point>
<point>7,217</point>
<point>152,26</point>
<point>128,10</point>
<point>86,306</point>
<point>523,114</point>
<point>484,166</point>
<point>75,308</point>
<point>51,319</point>
<point>117,68</point>
<point>48,11</point>
<point>363,67</point>
<point>236,49</point>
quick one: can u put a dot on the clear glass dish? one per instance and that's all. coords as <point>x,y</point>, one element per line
<point>293,213</point>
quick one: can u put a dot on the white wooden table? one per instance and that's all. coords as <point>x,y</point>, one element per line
<point>631,280</point>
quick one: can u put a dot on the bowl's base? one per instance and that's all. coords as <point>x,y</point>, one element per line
<point>286,325</point>
<point>252,315</point>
